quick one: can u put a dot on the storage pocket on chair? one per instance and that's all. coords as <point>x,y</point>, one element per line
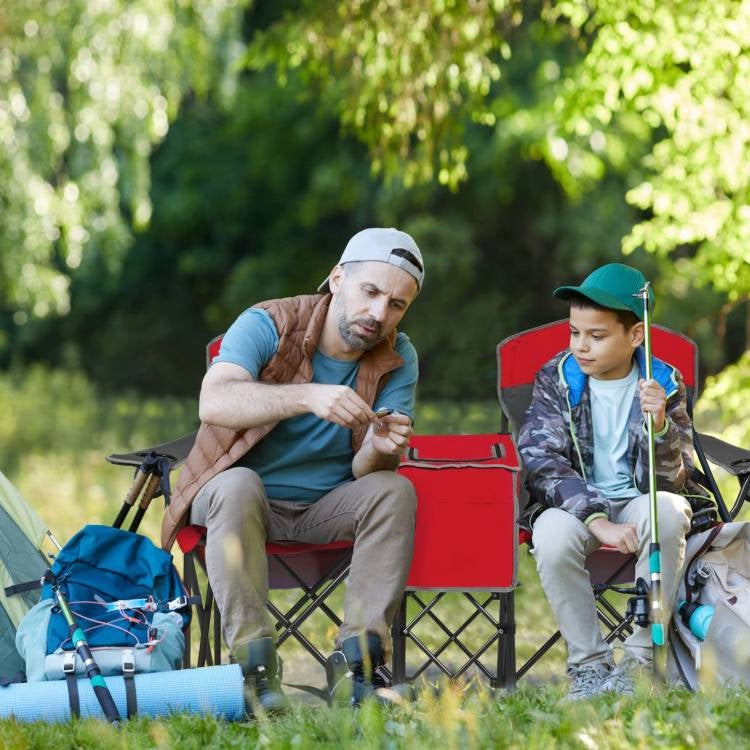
<point>467,511</point>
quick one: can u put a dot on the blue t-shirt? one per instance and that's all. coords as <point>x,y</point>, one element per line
<point>304,457</point>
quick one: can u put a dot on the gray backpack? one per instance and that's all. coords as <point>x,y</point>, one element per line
<point>709,634</point>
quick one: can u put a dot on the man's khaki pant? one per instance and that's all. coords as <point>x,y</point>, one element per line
<point>561,543</point>
<point>376,512</point>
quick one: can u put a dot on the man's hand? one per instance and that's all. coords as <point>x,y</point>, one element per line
<point>621,536</point>
<point>338,404</point>
<point>653,401</point>
<point>391,434</point>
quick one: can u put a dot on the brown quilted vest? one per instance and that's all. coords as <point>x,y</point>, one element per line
<point>299,322</point>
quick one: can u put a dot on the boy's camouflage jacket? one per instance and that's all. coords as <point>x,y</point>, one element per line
<point>557,448</point>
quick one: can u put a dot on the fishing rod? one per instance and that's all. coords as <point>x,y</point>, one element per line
<point>654,550</point>
<point>84,652</point>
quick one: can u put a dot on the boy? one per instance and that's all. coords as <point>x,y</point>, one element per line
<point>584,446</point>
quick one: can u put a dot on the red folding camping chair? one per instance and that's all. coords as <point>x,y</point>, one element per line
<point>314,571</point>
<point>465,558</point>
<point>519,357</point>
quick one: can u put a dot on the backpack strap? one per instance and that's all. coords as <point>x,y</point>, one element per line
<point>691,590</point>
<point>71,680</point>
<point>22,588</point>
<point>128,675</point>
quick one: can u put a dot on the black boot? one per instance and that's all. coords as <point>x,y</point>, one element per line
<point>262,670</point>
<point>353,674</point>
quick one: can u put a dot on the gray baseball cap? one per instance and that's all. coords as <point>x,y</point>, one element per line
<point>387,246</point>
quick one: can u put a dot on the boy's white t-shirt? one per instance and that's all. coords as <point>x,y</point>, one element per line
<point>610,408</point>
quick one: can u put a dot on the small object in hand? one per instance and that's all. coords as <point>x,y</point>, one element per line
<point>380,427</point>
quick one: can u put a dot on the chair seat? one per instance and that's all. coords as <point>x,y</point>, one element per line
<point>190,536</point>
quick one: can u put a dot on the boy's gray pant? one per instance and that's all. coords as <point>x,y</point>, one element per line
<point>376,512</point>
<point>561,543</point>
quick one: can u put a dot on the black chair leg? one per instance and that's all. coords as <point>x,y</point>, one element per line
<point>399,643</point>
<point>506,648</point>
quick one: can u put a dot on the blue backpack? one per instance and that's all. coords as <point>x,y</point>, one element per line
<point>126,595</point>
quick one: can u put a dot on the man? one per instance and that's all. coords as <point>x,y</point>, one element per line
<point>290,449</point>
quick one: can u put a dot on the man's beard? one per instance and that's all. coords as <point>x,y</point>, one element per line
<point>355,340</point>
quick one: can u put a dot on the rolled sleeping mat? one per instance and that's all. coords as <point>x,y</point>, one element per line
<point>215,691</point>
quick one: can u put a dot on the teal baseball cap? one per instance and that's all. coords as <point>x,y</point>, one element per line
<point>614,286</point>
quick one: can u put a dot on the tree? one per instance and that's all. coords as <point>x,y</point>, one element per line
<point>661,90</point>
<point>656,92</point>
<point>87,88</point>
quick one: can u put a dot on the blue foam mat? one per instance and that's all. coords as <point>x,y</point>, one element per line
<point>216,691</point>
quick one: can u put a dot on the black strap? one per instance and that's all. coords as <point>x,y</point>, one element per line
<point>71,680</point>
<point>22,588</point>
<point>17,677</point>
<point>73,698</point>
<point>130,695</point>
<point>128,676</point>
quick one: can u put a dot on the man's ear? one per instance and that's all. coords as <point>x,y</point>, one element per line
<point>335,279</point>
<point>637,334</point>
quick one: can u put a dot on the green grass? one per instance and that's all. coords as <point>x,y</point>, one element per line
<point>442,718</point>
<point>53,449</point>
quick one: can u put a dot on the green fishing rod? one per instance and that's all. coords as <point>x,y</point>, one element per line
<point>654,551</point>
<point>84,652</point>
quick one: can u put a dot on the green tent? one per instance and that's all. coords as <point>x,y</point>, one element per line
<point>22,534</point>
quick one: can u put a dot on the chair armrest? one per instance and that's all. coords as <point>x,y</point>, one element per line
<point>731,458</point>
<point>175,451</point>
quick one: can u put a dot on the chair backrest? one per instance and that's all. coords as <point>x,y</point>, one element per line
<point>212,348</point>
<point>520,356</point>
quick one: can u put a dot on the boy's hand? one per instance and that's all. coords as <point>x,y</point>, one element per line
<point>621,536</point>
<point>653,401</point>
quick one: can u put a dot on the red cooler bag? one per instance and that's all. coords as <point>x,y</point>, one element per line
<point>467,511</point>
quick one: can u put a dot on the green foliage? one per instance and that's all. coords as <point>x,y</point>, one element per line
<point>682,71</point>
<point>253,195</point>
<point>86,90</point>
<point>405,77</point>
<point>61,413</point>
<point>658,91</point>
<point>723,407</point>
<point>646,100</point>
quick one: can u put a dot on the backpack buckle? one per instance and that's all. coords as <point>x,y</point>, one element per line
<point>69,662</point>
<point>128,662</point>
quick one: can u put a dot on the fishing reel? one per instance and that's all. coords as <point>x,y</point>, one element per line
<point>638,607</point>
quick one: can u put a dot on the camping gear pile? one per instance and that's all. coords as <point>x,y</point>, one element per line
<point>100,630</point>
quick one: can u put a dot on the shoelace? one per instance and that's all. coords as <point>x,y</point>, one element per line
<point>585,679</point>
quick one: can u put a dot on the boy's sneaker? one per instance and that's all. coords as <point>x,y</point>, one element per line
<point>625,674</point>
<point>587,680</point>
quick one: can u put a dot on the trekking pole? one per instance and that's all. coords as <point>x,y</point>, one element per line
<point>654,550</point>
<point>84,652</point>
<point>152,487</point>
<point>135,489</point>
